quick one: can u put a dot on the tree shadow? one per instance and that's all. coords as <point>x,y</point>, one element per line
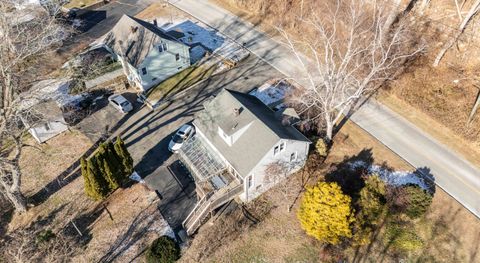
<point>424,173</point>
<point>139,226</point>
<point>350,171</point>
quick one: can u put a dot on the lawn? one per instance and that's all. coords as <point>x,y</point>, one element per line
<point>180,81</point>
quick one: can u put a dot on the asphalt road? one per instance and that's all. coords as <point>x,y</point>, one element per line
<point>450,171</point>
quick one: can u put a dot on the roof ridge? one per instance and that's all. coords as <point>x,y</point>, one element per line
<point>256,117</point>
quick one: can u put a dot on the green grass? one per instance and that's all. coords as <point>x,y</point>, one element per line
<point>180,81</point>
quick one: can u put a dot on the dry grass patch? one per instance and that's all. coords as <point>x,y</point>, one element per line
<point>157,10</point>
<point>116,229</point>
<point>439,101</point>
<point>41,163</point>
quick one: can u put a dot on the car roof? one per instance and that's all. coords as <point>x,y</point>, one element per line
<point>118,98</point>
<point>185,127</point>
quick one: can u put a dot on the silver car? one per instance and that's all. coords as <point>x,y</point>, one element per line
<point>185,132</point>
<point>120,102</point>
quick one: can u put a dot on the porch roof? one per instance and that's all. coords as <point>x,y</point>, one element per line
<point>201,159</point>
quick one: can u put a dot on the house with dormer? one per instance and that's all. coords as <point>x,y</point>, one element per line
<point>237,139</point>
<point>148,54</point>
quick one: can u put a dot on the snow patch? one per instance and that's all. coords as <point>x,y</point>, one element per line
<point>272,92</point>
<point>395,178</point>
<point>52,89</point>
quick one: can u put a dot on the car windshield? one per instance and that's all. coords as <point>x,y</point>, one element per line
<point>177,139</point>
<point>125,103</point>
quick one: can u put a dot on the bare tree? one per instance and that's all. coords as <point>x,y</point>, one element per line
<point>277,174</point>
<point>26,33</point>
<point>25,245</point>
<point>471,13</point>
<point>350,53</point>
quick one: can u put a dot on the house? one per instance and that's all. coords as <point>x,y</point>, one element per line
<point>148,55</point>
<point>238,139</point>
<point>45,120</point>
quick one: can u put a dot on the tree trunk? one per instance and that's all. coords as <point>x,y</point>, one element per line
<point>449,44</point>
<point>17,198</point>
<point>329,130</point>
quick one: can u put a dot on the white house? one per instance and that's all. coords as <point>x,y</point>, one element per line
<point>148,55</point>
<point>238,139</point>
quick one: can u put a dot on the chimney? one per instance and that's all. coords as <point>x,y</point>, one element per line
<point>237,111</point>
<point>133,29</point>
<point>155,22</point>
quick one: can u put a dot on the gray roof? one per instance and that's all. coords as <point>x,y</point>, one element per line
<point>263,133</point>
<point>134,38</point>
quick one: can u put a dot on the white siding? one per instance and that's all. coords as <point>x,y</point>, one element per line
<point>259,184</point>
<point>162,65</point>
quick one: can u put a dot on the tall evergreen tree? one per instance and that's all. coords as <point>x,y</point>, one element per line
<point>106,169</point>
<point>86,178</point>
<point>98,183</point>
<point>115,163</point>
<point>109,176</point>
<point>107,164</point>
<point>125,156</point>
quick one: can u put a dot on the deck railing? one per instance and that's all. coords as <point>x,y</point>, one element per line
<point>208,204</point>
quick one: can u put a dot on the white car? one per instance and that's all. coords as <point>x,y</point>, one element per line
<point>185,132</point>
<point>120,102</point>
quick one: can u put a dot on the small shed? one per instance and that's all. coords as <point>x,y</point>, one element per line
<point>45,121</point>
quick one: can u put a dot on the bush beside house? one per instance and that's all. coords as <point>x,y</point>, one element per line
<point>326,213</point>
<point>163,250</point>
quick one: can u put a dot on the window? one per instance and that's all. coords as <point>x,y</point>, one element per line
<point>250,181</point>
<point>177,57</point>
<point>293,157</point>
<point>162,47</point>
<point>275,150</point>
<point>279,148</point>
<point>144,71</point>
